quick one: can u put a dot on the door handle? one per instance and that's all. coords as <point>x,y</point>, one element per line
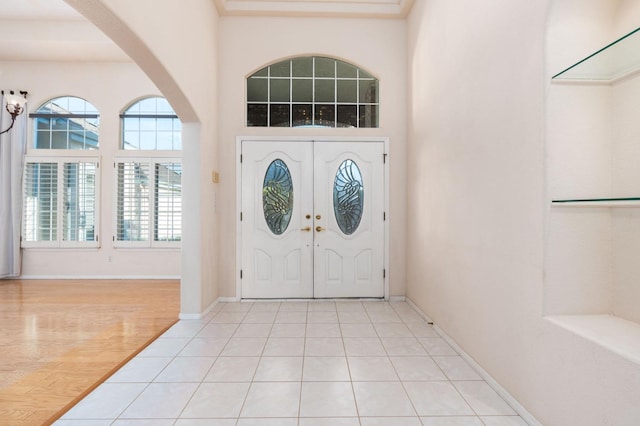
<point>320,229</point>
<point>306,229</point>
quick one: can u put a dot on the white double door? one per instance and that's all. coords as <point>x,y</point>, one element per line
<point>312,219</point>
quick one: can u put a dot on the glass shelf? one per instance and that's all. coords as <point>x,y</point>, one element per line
<point>614,61</point>
<point>599,202</point>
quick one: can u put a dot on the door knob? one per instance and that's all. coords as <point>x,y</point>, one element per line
<point>318,217</point>
<point>320,229</point>
<point>306,229</point>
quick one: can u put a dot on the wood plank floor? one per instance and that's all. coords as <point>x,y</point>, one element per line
<point>59,339</point>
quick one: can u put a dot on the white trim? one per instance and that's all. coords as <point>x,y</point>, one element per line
<point>387,209</point>
<point>614,334</point>
<point>60,161</point>
<point>182,317</point>
<point>240,139</point>
<point>509,399</point>
<point>319,300</point>
<point>208,310</point>
<point>151,161</point>
<point>99,277</point>
<point>345,8</point>
<point>202,314</point>
<point>418,310</point>
<point>397,298</point>
<point>238,268</point>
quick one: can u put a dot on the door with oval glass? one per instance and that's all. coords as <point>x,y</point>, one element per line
<point>312,219</point>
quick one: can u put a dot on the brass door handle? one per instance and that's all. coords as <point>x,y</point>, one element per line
<point>320,229</point>
<point>306,229</point>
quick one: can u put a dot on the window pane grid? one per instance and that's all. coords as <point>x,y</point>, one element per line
<point>333,84</point>
<point>151,124</point>
<point>133,201</point>
<point>66,123</point>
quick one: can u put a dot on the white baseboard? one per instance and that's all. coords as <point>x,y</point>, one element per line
<point>201,314</point>
<point>99,277</point>
<point>517,407</point>
<point>208,310</point>
<point>397,299</point>
<point>419,311</point>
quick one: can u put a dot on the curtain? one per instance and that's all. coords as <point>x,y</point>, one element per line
<point>13,146</point>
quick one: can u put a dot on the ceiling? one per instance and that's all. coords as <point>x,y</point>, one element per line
<point>62,34</point>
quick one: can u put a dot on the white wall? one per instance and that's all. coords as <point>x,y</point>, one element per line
<point>579,166</point>
<point>579,246</point>
<point>178,50</point>
<point>626,183</point>
<point>593,152</point>
<point>476,177</point>
<point>121,84</point>
<point>248,44</point>
<point>478,163</point>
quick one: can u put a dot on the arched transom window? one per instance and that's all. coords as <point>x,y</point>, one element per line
<point>66,122</point>
<point>312,91</point>
<point>151,124</point>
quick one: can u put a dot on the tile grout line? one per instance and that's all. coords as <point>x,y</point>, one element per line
<point>404,320</point>
<point>252,381</point>
<point>395,370</point>
<point>205,375</point>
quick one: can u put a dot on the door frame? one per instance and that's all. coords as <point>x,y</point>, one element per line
<point>321,139</point>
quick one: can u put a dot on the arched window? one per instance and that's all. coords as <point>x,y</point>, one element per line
<point>61,191</point>
<point>66,122</point>
<point>151,124</point>
<point>149,185</point>
<point>312,91</point>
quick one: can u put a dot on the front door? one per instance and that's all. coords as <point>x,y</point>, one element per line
<point>312,219</point>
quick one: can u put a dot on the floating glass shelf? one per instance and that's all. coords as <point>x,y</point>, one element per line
<point>599,202</point>
<point>614,61</point>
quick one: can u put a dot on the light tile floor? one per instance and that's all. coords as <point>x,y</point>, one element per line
<point>297,363</point>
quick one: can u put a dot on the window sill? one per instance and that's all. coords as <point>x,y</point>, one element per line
<point>612,333</point>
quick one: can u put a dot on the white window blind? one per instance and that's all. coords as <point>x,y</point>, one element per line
<point>60,202</point>
<point>133,201</point>
<point>168,202</point>
<point>149,202</point>
<point>40,202</point>
<point>79,201</point>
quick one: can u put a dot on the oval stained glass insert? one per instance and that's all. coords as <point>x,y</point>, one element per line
<point>277,196</point>
<point>348,197</point>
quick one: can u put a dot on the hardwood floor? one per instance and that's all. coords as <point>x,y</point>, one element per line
<point>59,339</point>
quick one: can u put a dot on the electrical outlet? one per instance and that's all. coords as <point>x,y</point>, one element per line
<point>110,259</point>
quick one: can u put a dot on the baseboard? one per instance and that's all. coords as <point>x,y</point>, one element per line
<point>517,407</point>
<point>418,310</point>
<point>99,277</point>
<point>208,310</point>
<point>397,298</point>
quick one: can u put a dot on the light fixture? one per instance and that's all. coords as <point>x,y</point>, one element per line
<point>15,106</point>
